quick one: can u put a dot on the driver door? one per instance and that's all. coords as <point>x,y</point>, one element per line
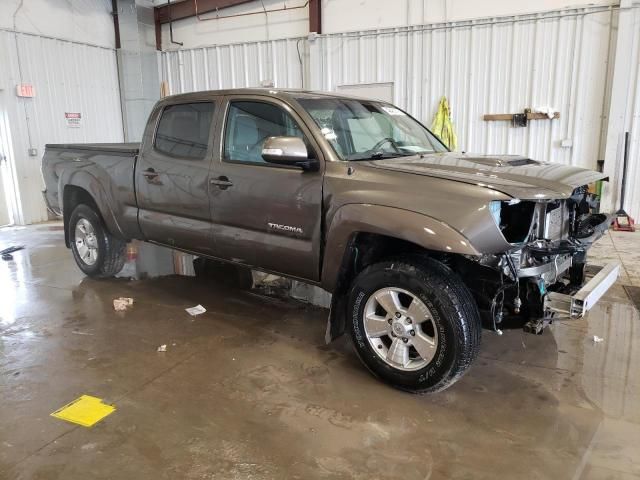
<point>265,215</point>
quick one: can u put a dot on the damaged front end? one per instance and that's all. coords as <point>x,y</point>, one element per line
<point>543,276</point>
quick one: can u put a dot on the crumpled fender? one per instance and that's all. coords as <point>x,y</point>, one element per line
<point>406,225</point>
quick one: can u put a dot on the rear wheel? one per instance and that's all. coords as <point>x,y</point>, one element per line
<point>414,323</point>
<point>96,252</point>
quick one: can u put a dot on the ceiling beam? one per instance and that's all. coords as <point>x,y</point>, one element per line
<point>187,8</point>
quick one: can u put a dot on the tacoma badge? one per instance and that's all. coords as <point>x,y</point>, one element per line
<point>285,228</point>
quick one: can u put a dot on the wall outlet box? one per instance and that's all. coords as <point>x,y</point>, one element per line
<point>33,152</point>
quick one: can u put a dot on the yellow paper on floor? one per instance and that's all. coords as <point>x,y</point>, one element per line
<point>85,411</point>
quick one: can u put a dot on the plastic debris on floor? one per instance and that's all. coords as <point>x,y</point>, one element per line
<point>197,310</point>
<point>85,411</point>
<point>122,303</point>
<point>162,348</point>
<point>597,339</point>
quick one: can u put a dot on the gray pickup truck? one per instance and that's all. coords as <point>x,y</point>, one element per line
<point>418,245</point>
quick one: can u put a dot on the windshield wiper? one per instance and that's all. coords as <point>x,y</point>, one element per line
<point>380,156</point>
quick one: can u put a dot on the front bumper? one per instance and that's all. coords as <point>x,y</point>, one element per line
<point>576,305</point>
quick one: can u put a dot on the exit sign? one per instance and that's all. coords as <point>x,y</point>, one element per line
<point>25,90</point>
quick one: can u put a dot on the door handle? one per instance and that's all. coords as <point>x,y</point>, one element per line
<point>149,173</point>
<point>222,182</point>
<point>151,176</point>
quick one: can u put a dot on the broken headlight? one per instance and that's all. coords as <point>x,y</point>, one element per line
<point>514,218</point>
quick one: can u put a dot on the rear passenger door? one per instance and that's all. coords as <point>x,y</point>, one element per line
<point>265,215</point>
<point>171,175</point>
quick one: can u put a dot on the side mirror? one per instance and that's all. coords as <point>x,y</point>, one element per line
<point>288,151</point>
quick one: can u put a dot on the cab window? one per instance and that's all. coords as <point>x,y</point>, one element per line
<point>249,124</point>
<point>184,129</point>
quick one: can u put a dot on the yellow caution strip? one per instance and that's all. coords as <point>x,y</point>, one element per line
<point>85,411</point>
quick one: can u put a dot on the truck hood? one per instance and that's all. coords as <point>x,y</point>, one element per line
<point>518,177</point>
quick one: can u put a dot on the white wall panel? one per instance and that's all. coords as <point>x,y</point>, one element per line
<point>224,27</point>
<point>88,21</point>
<point>235,66</point>
<point>632,121</point>
<point>500,65</point>
<point>67,77</point>
<point>249,23</point>
<point>350,15</point>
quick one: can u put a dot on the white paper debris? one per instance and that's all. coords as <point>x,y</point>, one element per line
<point>547,110</point>
<point>122,303</point>
<point>162,348</point>
<point>597,339</point>
<point>197,310</point>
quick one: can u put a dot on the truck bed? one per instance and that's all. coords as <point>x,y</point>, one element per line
<point>125,148</point>
<point>94,172</point>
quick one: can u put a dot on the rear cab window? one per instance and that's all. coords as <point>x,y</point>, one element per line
<point>184,130</point>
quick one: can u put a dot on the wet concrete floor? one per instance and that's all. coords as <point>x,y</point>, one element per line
<point>249,390</point>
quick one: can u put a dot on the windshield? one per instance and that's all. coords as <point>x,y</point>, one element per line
<point>365,130</point>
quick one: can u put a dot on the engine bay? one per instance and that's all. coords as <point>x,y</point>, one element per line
<point>550,240</point>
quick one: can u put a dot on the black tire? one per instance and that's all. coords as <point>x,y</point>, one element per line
<point>453,311</point>
<point>110,250</point>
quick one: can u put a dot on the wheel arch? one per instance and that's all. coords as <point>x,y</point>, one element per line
<point>364,234</point>
<point>392,226</point>
<point>90,193</point>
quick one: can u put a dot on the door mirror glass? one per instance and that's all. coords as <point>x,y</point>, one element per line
<point>288,151</point>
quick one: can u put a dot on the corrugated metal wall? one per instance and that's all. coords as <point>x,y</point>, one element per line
<point>497,65</point>
<point>234,66</point>
<point>632,121</point>
<point>501,65</point>
<point>68,77</point>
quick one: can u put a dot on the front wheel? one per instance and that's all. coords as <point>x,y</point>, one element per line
<point>414,323</point>
<point>96,252</point>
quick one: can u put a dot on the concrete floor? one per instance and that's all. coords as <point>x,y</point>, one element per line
<point>249,390</point>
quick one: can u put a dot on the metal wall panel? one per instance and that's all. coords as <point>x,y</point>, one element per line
<point>632,121</point>
<point>235,66</point>
<point>67,77</point>
<point>494,65</point>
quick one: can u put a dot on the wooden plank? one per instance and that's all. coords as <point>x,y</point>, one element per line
<point>489,117</point>
<point>541,116</point>
<point>492,117</point>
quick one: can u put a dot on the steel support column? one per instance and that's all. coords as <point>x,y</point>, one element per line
<point>315,16</point>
